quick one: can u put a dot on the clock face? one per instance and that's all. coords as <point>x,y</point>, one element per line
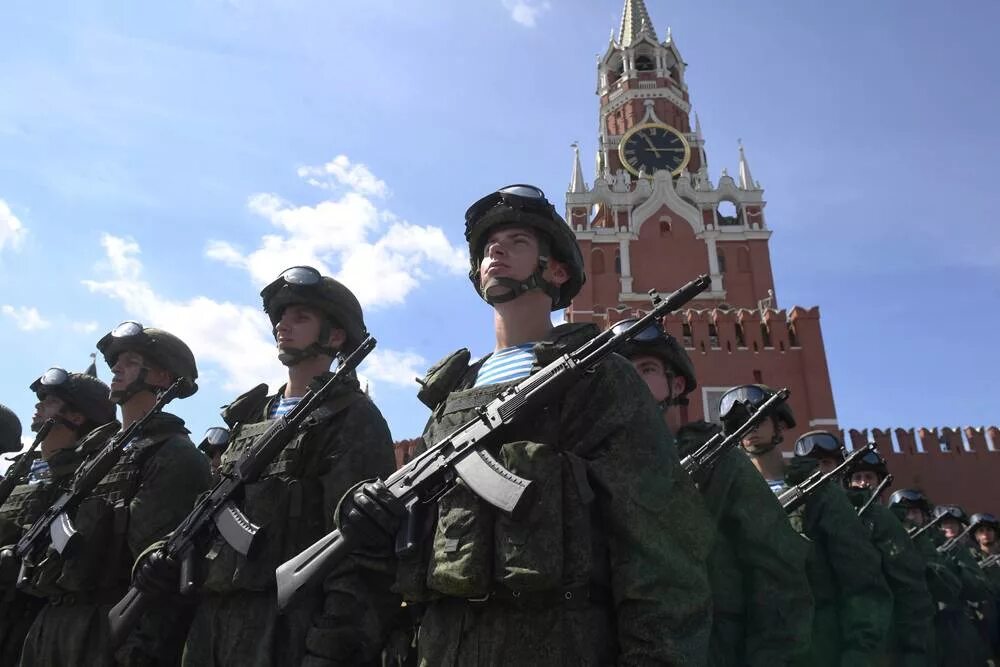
<point>654,146</point>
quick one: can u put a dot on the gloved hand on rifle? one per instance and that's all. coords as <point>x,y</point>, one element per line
<point>370,514</point>
<point>156,573</point>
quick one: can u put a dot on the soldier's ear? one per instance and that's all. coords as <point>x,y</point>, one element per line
<point>557,272</point>
<point>336,339</point>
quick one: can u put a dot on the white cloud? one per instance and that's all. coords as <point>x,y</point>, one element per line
<point>526,12</point>
<point>12,231</point>
<point>340,171</point>
<point>84,327</point>
<point>379,256</point>
<point>26,318</point>
<point>237,338</point>
<point>399,368</point>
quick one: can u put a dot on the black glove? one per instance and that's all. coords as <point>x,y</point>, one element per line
<point>370,514</point>
<point>157,574</point>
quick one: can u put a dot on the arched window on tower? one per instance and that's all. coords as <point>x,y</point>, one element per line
<point>727,213</point>
<point>722,260</point>
<point>688,339</point>
<point>665,228</point>
<point>618,262</point>
<point>644,63</point>
<point>597,261</point>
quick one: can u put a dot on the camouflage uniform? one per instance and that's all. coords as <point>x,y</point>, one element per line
<point>142,498</point>
<point>607,566</point>
<point>905,572</point>
<point>853,601</point>
<point>237,620</point>
<point>762,601</point>
<point>26,503</point>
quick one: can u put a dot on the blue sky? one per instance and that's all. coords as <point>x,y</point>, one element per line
<point>162,162</point>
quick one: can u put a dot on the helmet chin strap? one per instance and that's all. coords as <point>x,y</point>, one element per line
<point>512,288</point>
<point>293,357</point>
<point>122,396</point>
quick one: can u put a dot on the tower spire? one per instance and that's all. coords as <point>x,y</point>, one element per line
<point>577,184</point>
<point>746,181</point>
<point>635,20</point>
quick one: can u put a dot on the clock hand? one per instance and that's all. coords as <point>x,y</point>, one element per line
<point>651,146</point>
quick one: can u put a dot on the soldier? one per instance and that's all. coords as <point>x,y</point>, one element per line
<point>762,605</point>
<point>608,564</point>
<point>852,600</point>
<point>977,589</point>
<point>315,319</point>
<point>142,498</point>
<point>10,431</point>
<point>77,404</point>
<point>213,445</point>
<point>903,567</point>
<point>984,532</point>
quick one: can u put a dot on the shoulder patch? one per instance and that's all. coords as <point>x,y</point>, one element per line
<point>443,377</point>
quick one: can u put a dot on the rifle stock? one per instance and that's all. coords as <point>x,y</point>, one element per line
<point>217,511</point>
<point>700,463</point>
<point>792,498</point>
<point>463,452</point>
<point>955,541</point>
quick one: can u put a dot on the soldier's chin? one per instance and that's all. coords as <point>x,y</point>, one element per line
<point>496,290</point>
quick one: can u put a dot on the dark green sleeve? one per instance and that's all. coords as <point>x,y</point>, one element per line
<point>656,526</point>
<point>359,602</point>
<point>975,585</point>
<point>172,479</point>
<point>906,573</point>
<point>864,599</point>
<point>773,555</point>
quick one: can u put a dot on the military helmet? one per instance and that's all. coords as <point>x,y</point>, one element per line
<point>304,285</point>
<point>819,445</point>
<point>984,519</point>
<point>656,342</point>
<point>81,392</point>
<point>907,498</point>
<point>954,511</point>
<point>525,205</point>
<point>10,430</point>
<point>871,461</point>
<point>156,345</point>
<point>751,397</point>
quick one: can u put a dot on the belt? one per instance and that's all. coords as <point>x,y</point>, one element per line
<point>567,596</point>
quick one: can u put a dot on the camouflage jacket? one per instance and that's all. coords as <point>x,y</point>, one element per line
<point>763,605</point>
<point>905,572</point>
<point>853,600</point>
<point>293,502</point>
<point>608,564</point>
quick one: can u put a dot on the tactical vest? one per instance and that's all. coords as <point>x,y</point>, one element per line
<point>100,560</point>
<point>286,502</point>
<point>470,549</point>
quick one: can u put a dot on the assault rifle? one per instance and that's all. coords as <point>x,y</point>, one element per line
<point>917,532</point>
<point>217,513</point>
<point>55,526</point>
<point>463,454</point>
<point>955,541</point>
<point>990,561</point>
<point>793,497</point>
<point>17,471</point>
<point>875,494</point>
<point>700,463</point>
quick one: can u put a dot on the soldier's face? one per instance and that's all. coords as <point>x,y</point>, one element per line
<point>761,435</point>
<point>46,408</point>
<point>915,516</point>
<point>951,528</point>
<point>653,373</point>
<point>985,536</point>
<point>864,479</point>
<point>512,252</point>
<point>130,365</point>
<point>298,328</point>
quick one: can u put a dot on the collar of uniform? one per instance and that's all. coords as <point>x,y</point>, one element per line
<point>95,440</point>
